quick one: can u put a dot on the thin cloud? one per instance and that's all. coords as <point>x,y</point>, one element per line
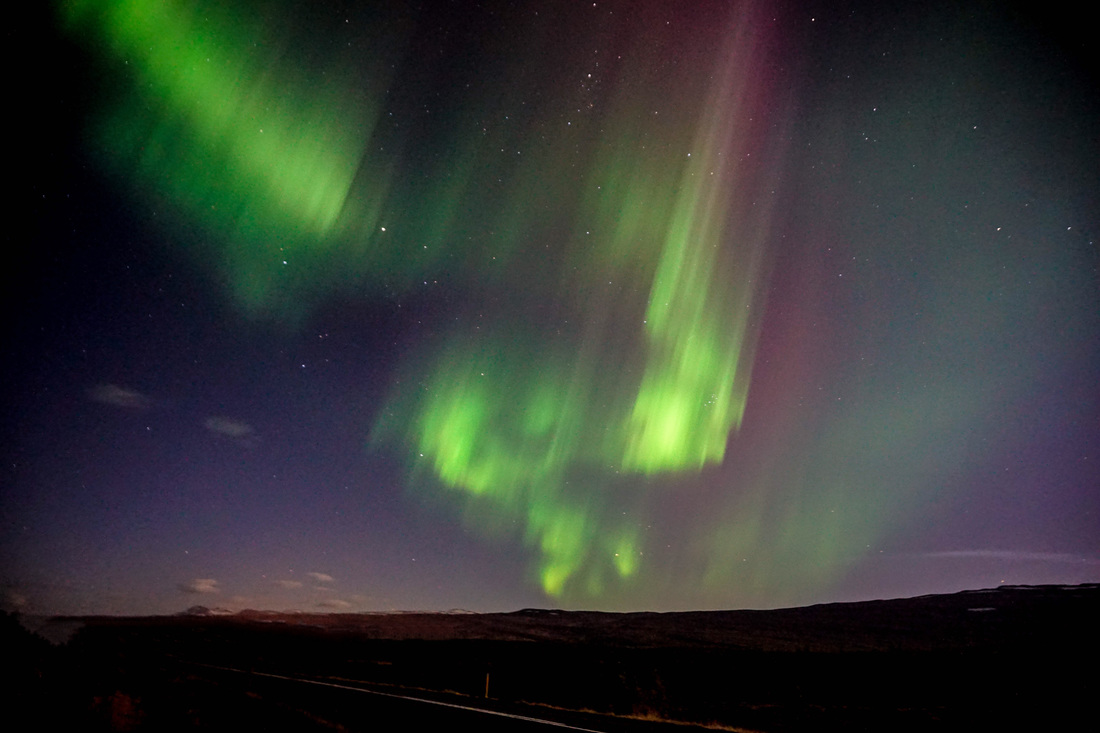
<point>112,394</point>
<point>335,603</point>
<point>200,585</point>
<point>230,427</point>
<point>321,577</point>
<point>236,430</point>
<point>1017,555</point>
<point>288,584</point>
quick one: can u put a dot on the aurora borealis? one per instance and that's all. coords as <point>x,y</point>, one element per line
<point>592,305</point>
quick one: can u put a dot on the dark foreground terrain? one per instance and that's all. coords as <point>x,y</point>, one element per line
<point>1011,658</point>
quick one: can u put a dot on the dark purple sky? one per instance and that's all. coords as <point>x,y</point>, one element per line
<point>610,305</point>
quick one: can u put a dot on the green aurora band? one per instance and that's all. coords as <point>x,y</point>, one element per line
<point>217,118</point>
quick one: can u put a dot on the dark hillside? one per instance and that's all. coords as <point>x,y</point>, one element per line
<point>968,660</point>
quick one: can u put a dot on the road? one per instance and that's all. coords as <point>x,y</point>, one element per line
<point>356,708</point>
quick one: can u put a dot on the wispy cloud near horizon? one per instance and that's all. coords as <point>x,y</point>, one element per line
<point>1016,556</point>
<point>199,585</point>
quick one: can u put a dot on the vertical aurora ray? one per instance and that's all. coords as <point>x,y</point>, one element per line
<point>555,434</point>
<point>698,321</point>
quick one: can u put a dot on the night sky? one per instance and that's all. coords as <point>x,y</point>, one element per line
<point>640,305</point>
